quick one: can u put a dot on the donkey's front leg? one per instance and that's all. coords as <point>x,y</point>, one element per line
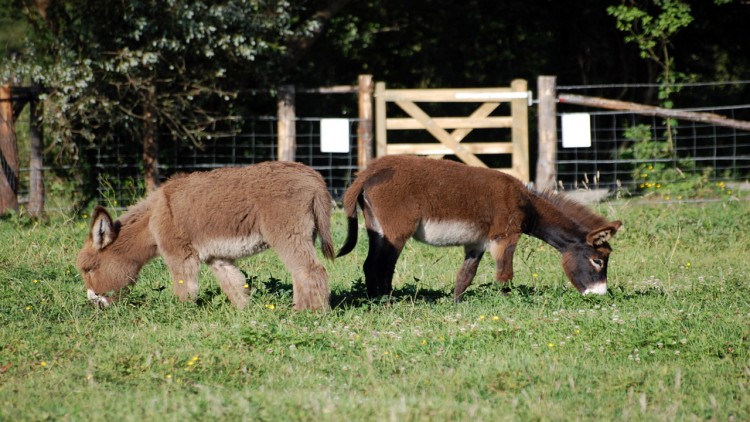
<point>184,276</point>
<point>472,255</point>
<point>502,250</point>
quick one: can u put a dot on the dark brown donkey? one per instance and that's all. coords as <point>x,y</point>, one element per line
<point>444,203</point>
<point>217,217</point>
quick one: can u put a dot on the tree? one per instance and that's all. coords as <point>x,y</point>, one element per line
<point>135,68</point>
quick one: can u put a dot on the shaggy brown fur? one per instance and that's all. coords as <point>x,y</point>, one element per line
<point>217,217</point>
<point>445,203</point>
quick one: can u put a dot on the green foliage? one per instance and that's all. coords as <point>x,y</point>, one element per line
<point>12,30</point>
<point>657,172</point>
<point>114,67</point>
<point>652,33</point>
<point>668,342</point>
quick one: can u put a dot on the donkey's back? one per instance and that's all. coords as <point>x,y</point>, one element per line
<point>230,212</point>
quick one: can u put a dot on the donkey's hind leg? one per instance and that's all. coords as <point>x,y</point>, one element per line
<point>309,277</point>
<point>232,282</point>
<point>472,255</point>
<point>380,264</point>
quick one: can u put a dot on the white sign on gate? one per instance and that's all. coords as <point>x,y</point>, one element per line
<point>576,130</point>
<point>334,135</point>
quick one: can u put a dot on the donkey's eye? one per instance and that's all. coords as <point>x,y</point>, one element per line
<point>598,264</point>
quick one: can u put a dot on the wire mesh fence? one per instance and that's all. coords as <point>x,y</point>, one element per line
<point>115,168</point>
<point>608,163</point>
<point>672,151</point>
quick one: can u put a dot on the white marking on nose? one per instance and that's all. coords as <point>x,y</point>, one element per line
<point>597,289</point>
<point>97,299</point>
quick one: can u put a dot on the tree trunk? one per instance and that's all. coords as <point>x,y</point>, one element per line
<point>150,145</point>
<point>8,154</point>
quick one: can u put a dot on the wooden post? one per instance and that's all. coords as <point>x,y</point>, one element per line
<point>546,169</point>
<point>648,110</point>
<point>519,110</point>
<point>364,130</point>
<point>36,148</point>
<point>9,164</point>
<point>380,140</point>
<point>287,142</point>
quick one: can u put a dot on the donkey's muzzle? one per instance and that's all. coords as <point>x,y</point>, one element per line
<point>596,289</point>
<point>99,301</point>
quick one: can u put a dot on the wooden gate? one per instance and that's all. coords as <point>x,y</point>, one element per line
<point>451,142</point>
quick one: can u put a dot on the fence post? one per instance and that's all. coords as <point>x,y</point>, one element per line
<point>364,129</point>
<point>380,140</point>
<point>287,134</point>
<point>36,146</point>
<point>519,110</point>
<point>9,165</point>
<point>546,172</point>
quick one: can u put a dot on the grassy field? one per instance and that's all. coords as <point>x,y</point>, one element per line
<point>669,342</point>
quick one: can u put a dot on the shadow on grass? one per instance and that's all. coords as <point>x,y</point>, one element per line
<point>620,294</point>
<point>357,296</point>
<point>271,287</point>
<point>505,289</point>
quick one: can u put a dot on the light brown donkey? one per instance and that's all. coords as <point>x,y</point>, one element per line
<point>444,203</point>
<point>217,217</point>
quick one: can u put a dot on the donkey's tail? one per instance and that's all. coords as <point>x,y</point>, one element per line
<point>351,197</point>
<point>322,215</point>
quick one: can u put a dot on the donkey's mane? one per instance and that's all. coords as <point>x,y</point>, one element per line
<point>136,212</point>
<point>572,209</point>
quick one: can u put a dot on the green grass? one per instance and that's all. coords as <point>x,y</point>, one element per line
<point>669,342</point>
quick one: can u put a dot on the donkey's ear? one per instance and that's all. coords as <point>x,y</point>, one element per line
<point>103,230</point>
<point>603,234</point>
